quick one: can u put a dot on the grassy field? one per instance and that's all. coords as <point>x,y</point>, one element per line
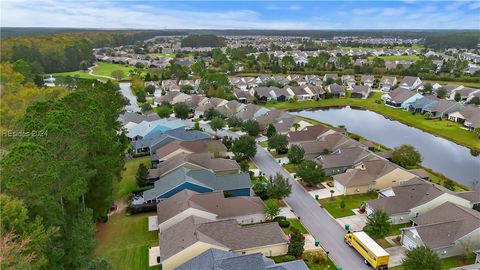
<point>105,69</point>
<point>79,73</point>
<point>127,182</point>
<point>125,240</point>
<point>351,202</point>
<point>397,57</point>
<point>443,128</point>
<point>446,263</point>
<point>295,223</point>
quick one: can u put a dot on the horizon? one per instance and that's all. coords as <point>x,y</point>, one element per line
<point>244,15</point>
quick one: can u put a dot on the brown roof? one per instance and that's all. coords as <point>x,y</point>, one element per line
<point>202,160</point>
<point>445,224</point>
<point>420,173</point>
<point>408,195</point>
<point>271,117</point>
<point>368,173</point>
<point>187,146</point>
<point>225,233</point>
<point>400,94</point>
<point>330,142</point>
<point>472,196</point>
<point>213,202</point>
<point>344,157</point>
<point>310,133</point>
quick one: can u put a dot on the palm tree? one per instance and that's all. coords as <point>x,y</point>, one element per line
<point>296,126</point>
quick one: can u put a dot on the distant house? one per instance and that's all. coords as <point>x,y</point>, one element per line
<point>327,143</point>
<point>401,98</point>
<point>330,76</point>
<point>243,96</point>
<point>367,80</point>
<point>448,229</point>
<point>349,81</point>
<point>212,206</point>
<point>342,159</point>
<point>299,92</point>
<point>337,90</point>
<point>135,132</point>
<point>370,175</point>
<point>411,83</point>
<point>225,260</point>
<point>308,134</point>
<point>251,111</point>
<point>361,62</point>
<point>442,108</point>
<point>360,91</point>
<point>469,116</point>
<point>387,83</point>
<point>422,104</point>
<point>201,181</point>
<point>264,93</point>
<point>466,93</point>
<point>195,235</point>
<point>413,198</point>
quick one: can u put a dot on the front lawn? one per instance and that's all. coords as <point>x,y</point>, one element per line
<point>444,128</point>
<point>125,240</point>
<point>295,223</point>
<point>127,182</point>
<point>328,265</point>
<point>351,202</point>
<point>447,263</point>
<point>291,168</point>
<point>395,229</point>
<point>263,144</point>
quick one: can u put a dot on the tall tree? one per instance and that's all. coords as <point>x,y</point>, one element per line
<point>217,123</point>
<point>310,172</point>
<point>421,258</point>
<point>244,147</point>
<point>251,127</point>
<point>271,209</point>
<point>296,154</point>
<point>278,187</point>
<point>278,142</point>
<point>181,110</point>
<point>406,156</point>
<point>378,224</point>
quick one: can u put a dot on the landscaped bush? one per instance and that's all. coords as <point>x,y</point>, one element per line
<point>279,218</point>
<point>284,223</point>
<point>316,257</point>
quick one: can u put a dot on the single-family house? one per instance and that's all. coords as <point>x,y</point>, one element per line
<point>327,143</point>
<point>370,175</point>
<point>442,108</point>
<point>448,229</point>
<point>196,161</point>
<point>469,116</point>
<point>251,111</point>
<point>333,77</point>
<point>411,83</point>
<point>411,199</point>
<point>401,98</point>
<point>349,81</point>
<point>342,159</point>
<point>214,147</point>
<point>310,133</point>
<point>387,83</point>
<point>466,93</point>
<point>422,104</point>
<point>264,93</point>
<point>360,91</point>
<point>211,205</point>
<point>367,80</point>
<point>198,180</point>
<point>300,93</point>
<point>337,90</point>
<point>195,235</point>
<point>227,260</point>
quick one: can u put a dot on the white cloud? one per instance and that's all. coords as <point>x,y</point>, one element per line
<point>474,5</point>
<point>294,7</point>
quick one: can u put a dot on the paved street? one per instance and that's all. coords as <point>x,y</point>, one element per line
<point>313,217</point>
<point>127,92</point>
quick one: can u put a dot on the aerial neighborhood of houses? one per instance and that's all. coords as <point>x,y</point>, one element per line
<point>229,183</point>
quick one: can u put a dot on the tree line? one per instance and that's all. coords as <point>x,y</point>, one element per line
<point>58,183</point>
<point>197,41</point>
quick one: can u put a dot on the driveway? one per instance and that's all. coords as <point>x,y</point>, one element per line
<point>313,217</point>
<point>397,254</point>
<point>356,222</point>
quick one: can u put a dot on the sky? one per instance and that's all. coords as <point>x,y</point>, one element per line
<point>408,14</point>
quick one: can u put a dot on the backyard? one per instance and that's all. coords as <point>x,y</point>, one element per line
<point>127,182</point>
<point>351,202</point>
<point>447,129</point>
<point>125,240</point>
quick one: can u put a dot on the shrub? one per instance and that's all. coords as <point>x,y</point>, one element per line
<point>316,257</point>
<point>286,258</point>
<point>279,218</point>
<point>284,223</point>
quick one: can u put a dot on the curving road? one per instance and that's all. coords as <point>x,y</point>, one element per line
<point>127,93</point>
<point>313,217</point>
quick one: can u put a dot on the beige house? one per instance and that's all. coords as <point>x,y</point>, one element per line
<point>194,235</point>
<point>174,148</point>
<point>371,175</point>
<point>211,205</point>
<point>448,229</point>
<point>412,199</point>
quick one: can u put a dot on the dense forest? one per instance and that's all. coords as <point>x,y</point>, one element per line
<point>453,40</point>
<point>197,41</point>
<point>57,174</point>
<point>64,52</point>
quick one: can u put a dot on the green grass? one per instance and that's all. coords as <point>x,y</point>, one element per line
<point>351,202</point>
<point>443,128</point>
<point>447,263</point>
<point>263,144</point>
<point>77,74</point>
<point>105,69</point>
<point>291,168</point>
<point>295,223</point>
<point>127,182</point>
<point>328,265</point>
<point>252,165</point>
<point>397,57</point>
<point>395,229</point>
<point>383,243</point>
<point>125,240</point>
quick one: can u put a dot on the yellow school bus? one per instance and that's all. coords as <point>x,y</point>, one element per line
<point>373,254</point>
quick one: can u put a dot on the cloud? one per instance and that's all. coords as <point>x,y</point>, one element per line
<point>474,5</point>
<point>294,7</point>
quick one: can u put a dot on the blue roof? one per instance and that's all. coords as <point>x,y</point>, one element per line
<point>204,179</point>
<point>424,102</point>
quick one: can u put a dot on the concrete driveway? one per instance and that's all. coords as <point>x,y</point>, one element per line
<point>356,222</point>
<point>397,254</point>
<point>324,193</point>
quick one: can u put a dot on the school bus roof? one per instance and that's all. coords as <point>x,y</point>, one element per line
<point>371,244</point>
